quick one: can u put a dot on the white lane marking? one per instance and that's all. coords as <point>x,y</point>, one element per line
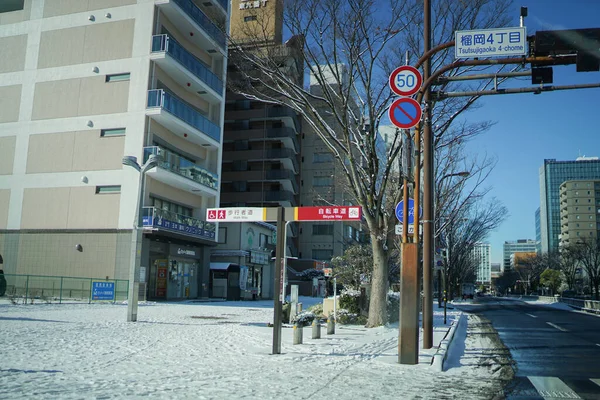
<point>551,387</point>
<point>532,316</point>
<point>597,344</point>
<point>557,327</point>
<point>596,381</point>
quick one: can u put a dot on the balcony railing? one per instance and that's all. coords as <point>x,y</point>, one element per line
<point>164,43</point>
<point>175,163</point>
<point>166,220</point>
<point>202,20</point>
<point>180,109</point>
<point>224,4</point>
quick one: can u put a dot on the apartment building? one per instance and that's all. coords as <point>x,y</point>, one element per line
<point>482,256</point>
<point>85,83</point>
<point>579,209</point>
<point>516,246</point>
<point>552,174</point>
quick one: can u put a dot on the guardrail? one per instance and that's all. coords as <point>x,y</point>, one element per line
<point>30,289</point>
<point>592,306</point>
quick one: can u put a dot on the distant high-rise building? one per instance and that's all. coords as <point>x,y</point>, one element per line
<point>517,246</point>
<point>579,202</point>
<point>481,252</point>
<point>552,174</point>
<point>538,231</point>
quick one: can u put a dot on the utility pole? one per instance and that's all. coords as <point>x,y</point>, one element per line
<point>428,178</point>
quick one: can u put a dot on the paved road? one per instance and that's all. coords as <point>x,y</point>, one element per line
<point>557,352</point>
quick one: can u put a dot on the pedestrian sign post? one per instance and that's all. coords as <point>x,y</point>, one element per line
<point>405,113</point>
<point>405,80</point>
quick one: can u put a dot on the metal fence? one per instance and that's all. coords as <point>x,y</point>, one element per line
<point>29,289</point>
<point>582,304</point>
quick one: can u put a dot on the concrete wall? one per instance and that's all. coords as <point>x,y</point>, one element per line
<point>73,151</point>
<point>79,97</point>
<point>53,8</point>
<point>10,100</point>
<point>4,202</point>
<point>14,17</point>
<point>54,253</point>
<point>85,44</point>
<point>13,53</point>
<point>69,208</point>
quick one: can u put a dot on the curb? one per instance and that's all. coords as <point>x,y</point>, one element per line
<point>440,356</point>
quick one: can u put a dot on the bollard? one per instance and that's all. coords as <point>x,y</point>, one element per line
<point>316,329</point>
<point>297,334</point>
<point>331,325</point>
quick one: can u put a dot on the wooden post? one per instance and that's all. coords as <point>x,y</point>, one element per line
<point>408,338</point>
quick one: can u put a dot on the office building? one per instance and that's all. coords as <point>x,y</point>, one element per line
<point>481,254</point>
<point>517,246</point>
<point>538,231</point>
<point>85,83</point>
<point>579,208</point>
<point>552,174</point>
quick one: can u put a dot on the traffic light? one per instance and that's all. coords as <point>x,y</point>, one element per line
<point>585,43</point>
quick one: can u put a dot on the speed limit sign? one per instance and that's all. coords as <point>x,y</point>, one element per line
<point>405,80</point>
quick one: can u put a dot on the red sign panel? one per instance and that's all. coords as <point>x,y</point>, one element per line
<point>327,213</point>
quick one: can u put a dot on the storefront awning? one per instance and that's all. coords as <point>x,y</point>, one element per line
<point>224,266</point>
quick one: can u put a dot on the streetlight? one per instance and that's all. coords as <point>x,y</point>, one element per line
<point>136,248</point>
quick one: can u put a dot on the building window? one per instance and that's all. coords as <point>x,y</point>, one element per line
<point>9,6</point>
<point>112,132</point>
<point>319,254</point>
<point>108,189</point>
<point>249,18</point>
<point>322,181</point>
<point>323,229</point>
<point>322,157</point>
<point>170,206</point>
<point>118,77</point>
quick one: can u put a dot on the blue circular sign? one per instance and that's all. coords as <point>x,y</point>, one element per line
<point>411,211</point>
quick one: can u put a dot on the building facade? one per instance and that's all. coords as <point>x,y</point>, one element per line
<point>579,209</point>
<point>516,246</point>
<point>482,255</point>
<point>85,83</point>
<point>552,174</point>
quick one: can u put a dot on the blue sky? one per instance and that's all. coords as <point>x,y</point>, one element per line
<point>530,128</point>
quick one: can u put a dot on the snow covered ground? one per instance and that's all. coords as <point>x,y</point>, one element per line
<point>219,350</point>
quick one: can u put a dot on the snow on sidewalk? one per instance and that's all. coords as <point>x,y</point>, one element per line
<point>215,350</point>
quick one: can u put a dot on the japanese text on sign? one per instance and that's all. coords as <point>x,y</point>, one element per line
<point>342,213</point>
<point>491,42</point>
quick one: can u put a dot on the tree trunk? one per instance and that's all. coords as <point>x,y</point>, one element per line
<point>379,285</point>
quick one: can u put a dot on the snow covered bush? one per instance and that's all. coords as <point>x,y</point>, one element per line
<point>317,309</point>
<point>349,300</point>
<point>305,318</point>
<point>345,317</point>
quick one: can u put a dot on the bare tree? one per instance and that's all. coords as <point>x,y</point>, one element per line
<point>471,225</point>
<point>349,49</point>
<point>587,253</point>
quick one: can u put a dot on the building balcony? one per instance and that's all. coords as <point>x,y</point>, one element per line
<point>288,136</point>
<point>286,157</point>
<point>188,17</point>
<point>181,173</point>
<point>156,219</point>
<point>279,113</point>
<point>186,69</point>
<point>282,197</point>
<point>182,119</point>
<point>286,178</point>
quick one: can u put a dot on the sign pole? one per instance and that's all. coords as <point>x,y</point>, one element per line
<point>277,303</point>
